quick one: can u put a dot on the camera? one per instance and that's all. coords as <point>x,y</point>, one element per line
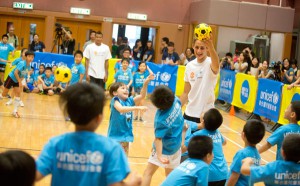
<point>58,29</point>
<point>58,25</point>
<point>225,59</point>
<point>276,66</point>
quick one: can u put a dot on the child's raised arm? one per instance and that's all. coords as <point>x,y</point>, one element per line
<point>140,97</point>
<point>124,109</point>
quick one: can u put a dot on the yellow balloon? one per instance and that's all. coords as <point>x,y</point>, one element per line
<point>63,74</point>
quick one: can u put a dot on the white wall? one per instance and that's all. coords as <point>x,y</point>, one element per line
<point>276,49</point>
<point>227,34</point>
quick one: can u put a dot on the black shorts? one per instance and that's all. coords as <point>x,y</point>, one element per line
<point>10,83</point>
<point>2,67</point>
<point>190,118</point>
<point>99,82</point>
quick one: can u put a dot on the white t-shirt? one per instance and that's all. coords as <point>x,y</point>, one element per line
<point>97,56</point>
<point>203,81</point>
<point>243,65</point>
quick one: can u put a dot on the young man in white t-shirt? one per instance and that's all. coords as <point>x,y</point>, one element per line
<point>200,80</point>
<point>96,61</point>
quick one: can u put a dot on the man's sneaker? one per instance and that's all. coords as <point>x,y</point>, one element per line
<point>21,103</point>
<point>9,102</point>
<point>16,114</point>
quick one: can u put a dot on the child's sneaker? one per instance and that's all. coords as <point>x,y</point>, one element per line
<point>141,120</point>
<point>21,103</point>
<point>9,102</point>
<point>136,118</point>
<point>16,114</point>
<point>41,92</point>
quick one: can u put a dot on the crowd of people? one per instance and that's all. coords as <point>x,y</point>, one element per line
<point>188,146</point>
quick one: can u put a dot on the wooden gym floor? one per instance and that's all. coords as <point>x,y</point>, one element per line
<point>42,119</point>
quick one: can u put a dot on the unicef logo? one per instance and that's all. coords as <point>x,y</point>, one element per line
<point>96,158</point>
<point>245,92</point>
<point>165,77</point>
<point>230,84</point>
<point>191,166</point>
<point>275,98</point>
<point>296,97</point>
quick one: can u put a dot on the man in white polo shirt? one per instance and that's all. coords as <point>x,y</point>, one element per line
<point>96,61</point>
<point>200,80</point>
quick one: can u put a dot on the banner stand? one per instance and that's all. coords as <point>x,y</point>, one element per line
<point>222,106</point>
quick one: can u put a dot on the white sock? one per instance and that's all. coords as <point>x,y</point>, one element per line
<point>16,103</point>
<point>40,86</point>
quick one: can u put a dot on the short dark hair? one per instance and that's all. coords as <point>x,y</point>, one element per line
<point>125,40</point>
<point>82,102</point>
<point>228,54</point>
<point>92,32</point>
<point>295,105</point>
<point>142,62</point>
<point>78,52</point>
<point>17,168</point>
<point>125,59</point>
<point>4,35</point>
<point>171,44</point>
<point>200,146</point>
<point>48,68</point>
<point>29,53</point>
<point>254,131</point>
<point>126,49</point>
<point>98,32</point>
<point>42,65</point>
<point>114,87</point>
<point>165,39</point>
<point>290,147</point>
<point>212,119</point>
<point>162,97</point>
<point>23,49</point>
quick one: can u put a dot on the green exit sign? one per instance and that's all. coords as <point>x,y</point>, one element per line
<point>23,5</point>
<point>82,11</point>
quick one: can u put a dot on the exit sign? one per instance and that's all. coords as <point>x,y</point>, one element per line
<point>82,11</point>
<point>23,5</point>
<point>135,16</point>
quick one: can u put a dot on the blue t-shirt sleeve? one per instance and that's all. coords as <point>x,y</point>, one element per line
<point>16,61</point>
<point>130,76</point>
<point>131,101</point>
<point>117,65</point>
<point>236,163</point>
<point>44,163</point>
<point>276,137</point>
<point>261,173</point>
<point>116,75</point>
<point>117,167</point>
<point>161,130</point>
<point>202,177</point>
<point>82,70</point>
<point>20,66</point>
<point>11,48</point>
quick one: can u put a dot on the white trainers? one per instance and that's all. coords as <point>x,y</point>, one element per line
<point>16,114</point>
<point>21,103</point>
<point>9,102</point>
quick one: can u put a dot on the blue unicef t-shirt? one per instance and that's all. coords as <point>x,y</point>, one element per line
<point>168,126</point>
<point>4,51</point>
<point>123,76</point>
<point>48,80</point>
<point>279,172</point>
<point>16,61</point>
<point>83,158</point>
<point>236,164</point>
<point>139,79</point>
<point>76,70</point>
<point>190,172</point>
<point>23,71</point>
<point>277,137</point>
<point>132,67</point>
<point>218,168</point>
<point>120,124</point>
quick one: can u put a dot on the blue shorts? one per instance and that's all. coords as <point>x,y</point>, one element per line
<point>30,86</point>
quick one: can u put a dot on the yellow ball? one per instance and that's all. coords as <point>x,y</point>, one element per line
<point>202,31</point>
<point>63,74</point>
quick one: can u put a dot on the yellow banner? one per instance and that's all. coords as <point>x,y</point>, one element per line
<point>8,69</point>
<point>245,90</point>
<point>217,86</point>
<point>287,98</point>
<point>180,80</point>
<point>111,71</point>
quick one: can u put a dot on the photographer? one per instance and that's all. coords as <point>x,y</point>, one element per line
<point>68,44</point>
<point>227,62</point>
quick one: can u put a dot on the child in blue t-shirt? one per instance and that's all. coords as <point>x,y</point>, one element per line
<point>5,49</point>
<point>78,70</point>
<point>218,170</point>
<point>194,170</point>
<point>280,172</point>
<point>83,157</point>
<point>168,125</point>
<point>124,75</point>
<point>47,81</point>
<point>131,66</point>
<point>138,81</point>
<point>30,85</point>
<point>292,113</point>
<point>120,121</point>
<point>253,133</point>
<point>14,80</point>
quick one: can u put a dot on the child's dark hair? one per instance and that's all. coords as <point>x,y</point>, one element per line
<point>42,65</point>
<point>141,62</point>
<point>257,65</point>
<point>78,52</point>
<point>82,102</point>
<point>114,87</point>
<point>295,105</point>
<point>162,97</point>
<point>212,119</point>
<point>165,39</point>
<point>254,131</point>
<point>228,54</point>
<point>17,168</point>
<point>4,35</point>
<point>125,59</point>
<point>29,53</point>
<point>126,49</point>
<point>23,50</point>
<point>200,146</point>
<point>48,68</point>
<point>291,148</point>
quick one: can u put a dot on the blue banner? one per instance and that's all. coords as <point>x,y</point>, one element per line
<point>164,75</point>
<point>50,59</point>
<point>226,87</point>
<point>268,99</point>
